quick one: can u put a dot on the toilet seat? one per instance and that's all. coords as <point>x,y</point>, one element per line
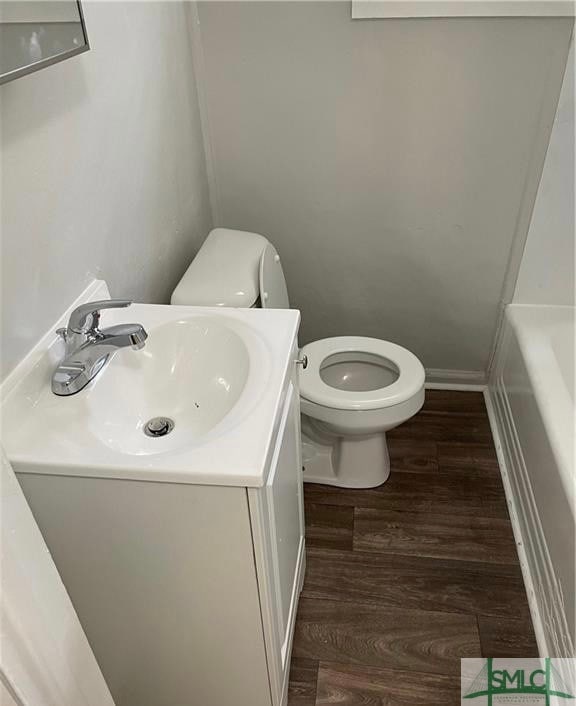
<point>410,374</point>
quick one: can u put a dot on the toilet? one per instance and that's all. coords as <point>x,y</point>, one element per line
<point>353,389</point>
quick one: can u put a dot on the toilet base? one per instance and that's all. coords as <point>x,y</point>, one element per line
<point>347,462</point>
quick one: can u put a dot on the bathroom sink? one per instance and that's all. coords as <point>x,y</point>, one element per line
<point>188,378</point>
<point>196,404</point>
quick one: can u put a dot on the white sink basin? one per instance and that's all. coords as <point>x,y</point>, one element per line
<point>192,371</point>
<point>217,374</point>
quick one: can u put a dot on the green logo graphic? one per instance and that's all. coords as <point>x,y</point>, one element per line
<point>544,682</point>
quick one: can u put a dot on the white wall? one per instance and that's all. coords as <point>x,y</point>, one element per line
<point>386,159</point>
<point>5,697</point>
<point>547,270</point>
<point>44,653</point>
<point>103,170</point>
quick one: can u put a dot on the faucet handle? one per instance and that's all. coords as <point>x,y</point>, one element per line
<point>86,317</point>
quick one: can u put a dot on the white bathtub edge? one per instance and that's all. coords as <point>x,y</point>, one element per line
<point>496,425</point>
<point>511,462</point>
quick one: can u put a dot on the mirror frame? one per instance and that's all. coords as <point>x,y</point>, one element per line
<point>43,63</point>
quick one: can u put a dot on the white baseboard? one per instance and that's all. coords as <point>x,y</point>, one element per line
<point>544,598</point>
<point>444,379</point>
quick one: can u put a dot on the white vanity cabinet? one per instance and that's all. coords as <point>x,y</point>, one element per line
<point>187,592</point>
<point>277,518</point>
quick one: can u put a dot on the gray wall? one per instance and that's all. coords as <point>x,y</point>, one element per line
<point>386,159</point>
<point>103,170</point>
<point>547,271</point>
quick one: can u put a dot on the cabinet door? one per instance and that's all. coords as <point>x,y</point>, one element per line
<point>277,516</point>
<point>284,495</point>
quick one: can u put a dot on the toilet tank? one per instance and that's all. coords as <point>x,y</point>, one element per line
<point>234,268</point>
<point>225,272</point>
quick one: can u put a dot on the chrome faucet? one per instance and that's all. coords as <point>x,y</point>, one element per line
<point>89,348</point>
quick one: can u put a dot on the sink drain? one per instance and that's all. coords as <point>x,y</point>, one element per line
<point>158,426</point>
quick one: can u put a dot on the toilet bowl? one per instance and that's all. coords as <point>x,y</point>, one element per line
<point>352,389</point>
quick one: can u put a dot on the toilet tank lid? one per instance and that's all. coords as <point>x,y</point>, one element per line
<point>225,272</point>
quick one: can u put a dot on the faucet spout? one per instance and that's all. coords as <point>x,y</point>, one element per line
<point>89,351</point>
<point>122,335</point>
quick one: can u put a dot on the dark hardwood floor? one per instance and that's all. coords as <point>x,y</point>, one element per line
<point>404,580</point>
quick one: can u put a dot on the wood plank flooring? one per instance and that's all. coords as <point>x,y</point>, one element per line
<point>404,580</point>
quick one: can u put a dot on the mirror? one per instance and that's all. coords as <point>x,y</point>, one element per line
<point>38,33</point>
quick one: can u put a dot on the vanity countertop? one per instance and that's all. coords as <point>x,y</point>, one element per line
<point>220,374</point>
